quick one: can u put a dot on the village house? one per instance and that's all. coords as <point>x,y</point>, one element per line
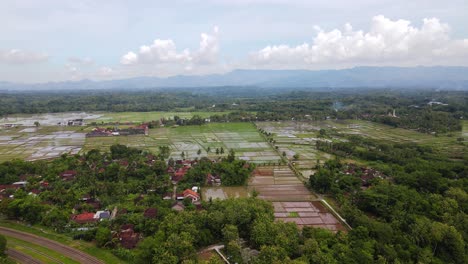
<point>213,180</point>
<point>101,215</point>
<point>178,206</point>
<point>84,218</point>
<point>99,132</point>
<point>76,122</point>
<point>195,197</point>
<point>68,175</point>
<point>180,196</point>
<point>21,184</point>
<point>167,196</point>
<point>127,237</point>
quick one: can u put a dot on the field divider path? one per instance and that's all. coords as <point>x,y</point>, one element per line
<point>70,252</point>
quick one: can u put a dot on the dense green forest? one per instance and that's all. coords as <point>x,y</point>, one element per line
<point>415,212</point>
<point>424,110</point>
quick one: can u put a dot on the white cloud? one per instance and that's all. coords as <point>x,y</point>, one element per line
<point>164,51</point>
<point>209,48</point>
<point>17,56</point>
<point>387,42</point>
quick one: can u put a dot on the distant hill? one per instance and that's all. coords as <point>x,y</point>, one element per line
<point>360,77</point>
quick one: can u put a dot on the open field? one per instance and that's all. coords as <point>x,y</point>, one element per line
<point>123,117</point>
<point>242,137</point>
<point>223,193</point>
<point>31,143</point>
<point>292,201</point>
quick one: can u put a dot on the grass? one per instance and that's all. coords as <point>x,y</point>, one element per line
<point>38,252</point>
<point>293,214</point>
<point>89,248</point>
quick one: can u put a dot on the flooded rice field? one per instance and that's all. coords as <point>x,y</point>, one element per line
<point>39,143</point>
<point>52,119</point>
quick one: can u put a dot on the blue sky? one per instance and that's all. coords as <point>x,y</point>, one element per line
<point>56,40</point>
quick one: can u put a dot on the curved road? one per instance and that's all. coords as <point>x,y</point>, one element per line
<point>70,252</point>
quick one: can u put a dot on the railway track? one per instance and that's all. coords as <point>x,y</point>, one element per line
<point>70,252</point>
<point>20,257</point>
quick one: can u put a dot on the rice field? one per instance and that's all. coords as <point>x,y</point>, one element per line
<point>243,138</point>
<point>297,138</point>
<point>139,117</point>
<point>50,140</point>
<point>300,137</point>
<point>31,143</point>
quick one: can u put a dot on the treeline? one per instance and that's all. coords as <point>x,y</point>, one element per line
<point>424,110</point>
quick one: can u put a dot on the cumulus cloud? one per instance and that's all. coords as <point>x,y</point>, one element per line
<point>17,56</point>
<point>387,41</point>
<point>164,51</point>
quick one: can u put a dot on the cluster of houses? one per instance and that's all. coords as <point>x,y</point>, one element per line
<point>365,174</point>
<point>91,211</point>
<point>7,190</point>
<point>106,132</point>
<point>183,167</point>
<point>126,236</point>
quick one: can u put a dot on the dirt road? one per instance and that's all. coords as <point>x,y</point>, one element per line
<point>70,252</point>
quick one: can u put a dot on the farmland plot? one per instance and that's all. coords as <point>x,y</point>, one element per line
<point>292,201</point>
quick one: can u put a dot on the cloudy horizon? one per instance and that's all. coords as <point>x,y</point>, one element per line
<point>55,40</point>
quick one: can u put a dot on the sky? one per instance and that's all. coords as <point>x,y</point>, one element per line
<point>67,40</point>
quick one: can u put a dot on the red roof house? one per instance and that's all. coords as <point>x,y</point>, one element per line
<point>192,195</point>
<point>84,218</point>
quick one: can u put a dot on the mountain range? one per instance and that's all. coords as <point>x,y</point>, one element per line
<point>439,77</point>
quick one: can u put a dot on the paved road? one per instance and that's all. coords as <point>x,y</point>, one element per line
<point>21,258</point>
<point>70,252</point>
